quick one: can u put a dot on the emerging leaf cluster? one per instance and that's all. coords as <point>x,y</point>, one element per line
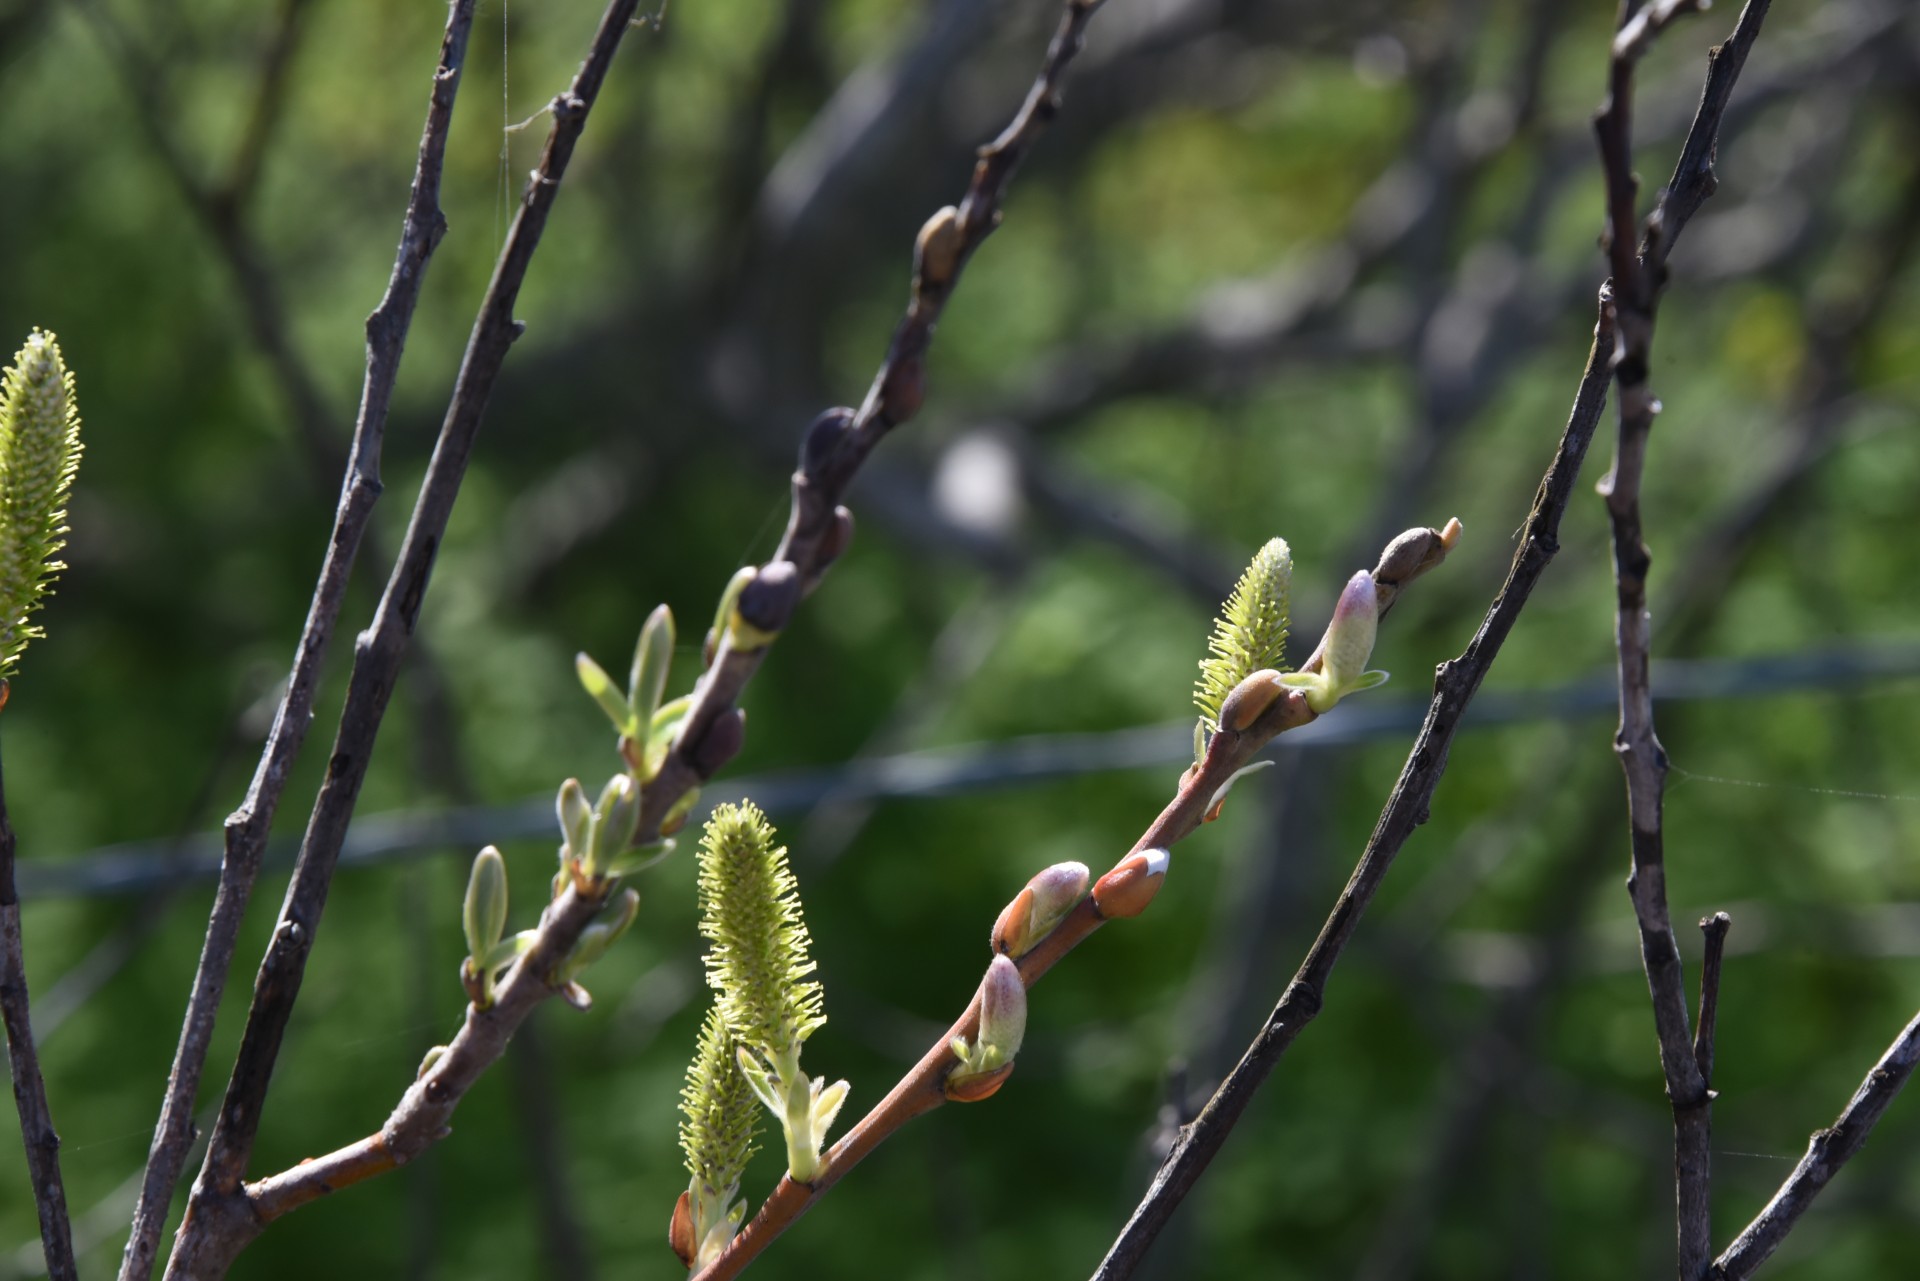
<point>39,453</point>
<point>1251,632</point>
<point>721,1116</point>
<point>750,913</point>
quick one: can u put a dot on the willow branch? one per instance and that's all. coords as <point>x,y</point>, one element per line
<point>1639,272</point>
<point>818,528</point>
<point>817,531</point>
<point>923,1088</point>
<point>220,1220</point>
<point>246,829</point>
<point>29,1089</point>
<point>1828,1150</point>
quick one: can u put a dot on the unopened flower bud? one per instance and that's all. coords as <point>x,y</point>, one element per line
<point>721,743</point>
<point>1251,697</point>
<point>1003,1008</point>
<point>936,254</point>
<point>1037,908</point>
<point>1128,888</point>
<point>986,1063</point>
<point>1350,636</point>
<point>820,447</point>
<point>767,602</point>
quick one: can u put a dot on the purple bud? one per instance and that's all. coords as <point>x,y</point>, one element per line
<point>1003,1008</point>
<point>1356,619</point>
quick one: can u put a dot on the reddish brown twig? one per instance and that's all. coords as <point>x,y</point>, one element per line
<point>923,1088</point>
<point>1639,272</point>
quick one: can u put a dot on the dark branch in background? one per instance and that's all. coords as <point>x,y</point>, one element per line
<point>1638,278</point>
<point>1829,1149</point>
<point>1454,687</point>
<point>246,829</point>
<point>29,1089</point>
<point>220,1219</point>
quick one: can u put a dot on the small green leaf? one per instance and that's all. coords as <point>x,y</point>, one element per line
<point>665,724</point>
<point>652,659</point>
<point>594,679</point>
<point>576,820</point>
<point>639,858</point>
<point>484,913</point>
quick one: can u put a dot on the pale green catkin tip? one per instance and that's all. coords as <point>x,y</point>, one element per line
<point>720,1110</point>
<point>39,453</point>
<point>750,913</point>
<point>1251,632</point>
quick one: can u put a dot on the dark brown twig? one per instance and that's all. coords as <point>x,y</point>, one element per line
<point>1715,929</point>
<point>221,1219</point>
<point>247,827</point>
<point>1829,1149</point>
<point>1639,272</point>
<point>1454,687</point>
<point>29,1089</point>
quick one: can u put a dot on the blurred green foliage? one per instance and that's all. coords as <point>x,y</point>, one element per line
<point>612,475</point>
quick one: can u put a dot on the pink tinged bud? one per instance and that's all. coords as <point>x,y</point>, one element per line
<point>1356,620</point>
<point>1035,910</point>
<point>1129,887</point>
<point>986,1063</point>
<point>1003,1008</point>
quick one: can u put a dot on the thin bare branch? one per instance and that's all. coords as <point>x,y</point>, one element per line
<point>247,827</point>
<point>1828,1150</point>
<point>817,532</point>
<point>1455,684</point>
<point>29,1089</point>
<point>1639,273</point>
<point>220,1219</point>
<point>1715,929</point>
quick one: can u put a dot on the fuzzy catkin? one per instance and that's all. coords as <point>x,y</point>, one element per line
<point>721,1113</point>
<point>1251,632</point>
<point>750,913</point>
<point>39,453</point>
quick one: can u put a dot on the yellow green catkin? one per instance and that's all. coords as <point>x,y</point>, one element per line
<point>39,453</point>
<point>1251,632</point>
<point>721,1118</point>
<point>758,966</point>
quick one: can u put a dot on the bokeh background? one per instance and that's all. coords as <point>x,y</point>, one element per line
<point>1322,271</point>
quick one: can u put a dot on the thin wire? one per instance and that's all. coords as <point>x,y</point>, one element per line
<point>1762,785</point>
<point>506,135</point>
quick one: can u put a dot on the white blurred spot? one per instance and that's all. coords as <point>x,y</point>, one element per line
<point>976,484</point>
